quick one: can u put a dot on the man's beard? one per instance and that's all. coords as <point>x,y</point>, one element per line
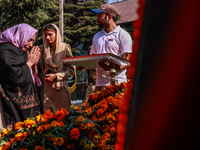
<point>103,24</point>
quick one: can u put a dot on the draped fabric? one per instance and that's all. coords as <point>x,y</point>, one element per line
<point>57,92</point>
<point>18,93</point>
<point>18,35</point>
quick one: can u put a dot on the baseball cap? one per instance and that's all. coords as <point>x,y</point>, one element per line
<point>106,8</point>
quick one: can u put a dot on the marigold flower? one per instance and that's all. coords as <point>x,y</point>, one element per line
<point>55,123</point>
<point>49,114</point>
<point>111,118</point>
<point>18,125</point>
<point>58,141</point>
<point>19,136</point>
<point>105,107</point>
<point>90,125</point>
<point>60,114</point>
<point>100,112</point>
<point>93,97</point>
<point>69,146</point>
<point>42,118</point>
<point>29,123</point>
<point>46,126</point>
<point>6,131</point>
<point>12,140</point>
<point>37,147</point>
<point>7,145</point>
<point>106,136</point>
<point>77,108</point>
<point>74,133</point>
<point>112,130</point>
<point>40,129</point>
<point>65,111</point>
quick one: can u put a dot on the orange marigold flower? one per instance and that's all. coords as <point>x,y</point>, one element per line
<point>7,145</point>
<point>112,125</point>
<point>69,146</point>
<point>40,129</point>
<point>100,112</point>
<point>59,115</point>
<point>46,126</point>
<point>93,97</point>
<point>42,118</point>
<point>6,131</point>
<point>29,123</point>
<point>58,141</point>
<point>18,125</point>
<point>74,133</point>
<point>106,136</point>
<point>112,130</point>
<point>12,140</point>
<point>37,147</point>
<point>105,107</point>
<point>111,118</point>
<point>90,125</point>
<point>49,114</point>
<point>77,108</point>
<point>55,123</point>
<point>65,111</point>
<point>19,136</point>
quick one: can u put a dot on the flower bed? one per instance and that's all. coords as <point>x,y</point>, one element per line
<point>93,126</point>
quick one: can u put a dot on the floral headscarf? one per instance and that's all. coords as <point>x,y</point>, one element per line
<point>18,35</point>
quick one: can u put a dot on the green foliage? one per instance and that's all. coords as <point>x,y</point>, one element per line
<point>80,25</point>
<point>36,13</point>
<point>79,21</point>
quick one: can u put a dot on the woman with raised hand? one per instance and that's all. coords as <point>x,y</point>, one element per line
<point>21,77</point>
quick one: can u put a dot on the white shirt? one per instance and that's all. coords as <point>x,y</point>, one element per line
<point>116,42</point>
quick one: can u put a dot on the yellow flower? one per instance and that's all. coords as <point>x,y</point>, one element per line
<point>29,123</point>
<point>6,131</point>
<point>43,118</point>
<point>19,136</point>
<point>89,146</point>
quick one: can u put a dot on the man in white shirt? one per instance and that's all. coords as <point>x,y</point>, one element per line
<point>112,39</point>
